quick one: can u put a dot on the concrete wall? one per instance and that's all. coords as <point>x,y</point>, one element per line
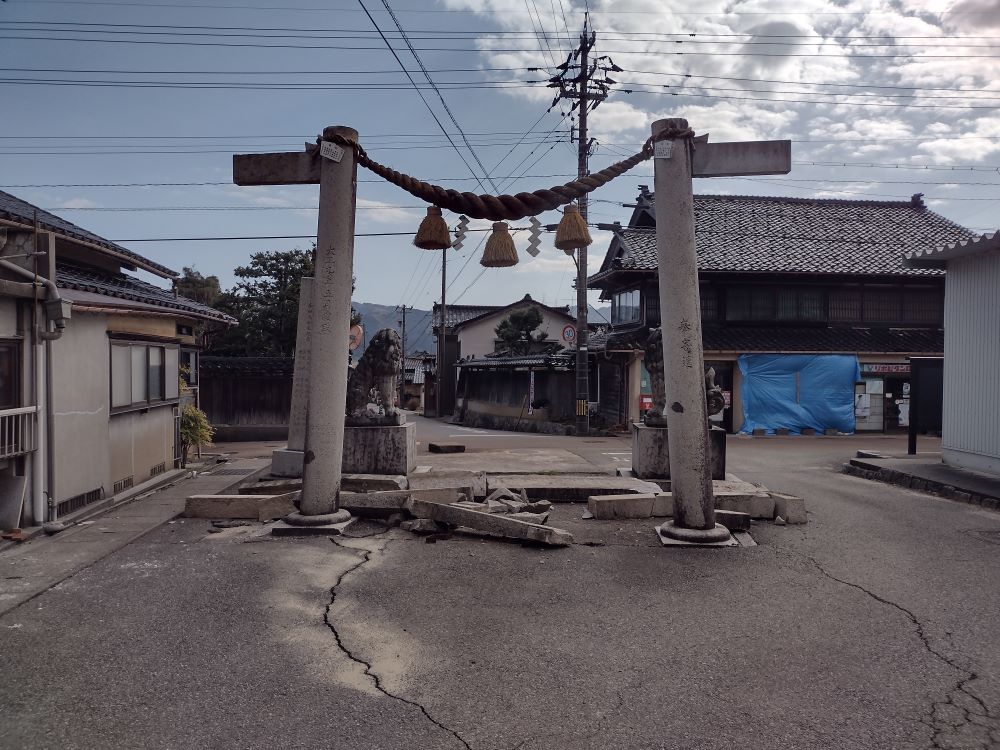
<point>971,411</point>
<point>140,441</point>
<point>477,339</point>
<point>81,387</point>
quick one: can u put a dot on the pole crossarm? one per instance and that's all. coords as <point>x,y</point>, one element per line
<point>499,207</point>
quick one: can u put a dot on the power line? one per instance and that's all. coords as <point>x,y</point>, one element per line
<point>434,86</point>
<point>421,95</point>
<point>685,35</point>
<point>713,53</point>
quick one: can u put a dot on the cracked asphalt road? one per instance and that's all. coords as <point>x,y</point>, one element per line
<point>874,626</point>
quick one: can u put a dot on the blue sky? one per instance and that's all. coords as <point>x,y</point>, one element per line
<point>902,96</point>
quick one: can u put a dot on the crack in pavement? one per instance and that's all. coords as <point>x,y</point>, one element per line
<point>961,710</point>
<point>366,556</point>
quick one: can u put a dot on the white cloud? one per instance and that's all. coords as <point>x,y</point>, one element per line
<point>78,203</point>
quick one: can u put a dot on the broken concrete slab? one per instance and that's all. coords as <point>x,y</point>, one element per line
<point>372,482</point>
<point>539,518</point>
<point>256,507</point>
<point>733,520</point>
<point>538,506</point>
<point>271,487</point>
<point>473,483</point>
<point>282,528</point>
<point>424,526</point>
<point>390,501</point>
<point>606,507</point>
<point>789,507</point>
<point>490,523</point>
<point>570,488</point>
<point>757,505</point>
<point>494,506</point>
<point>446,448</point>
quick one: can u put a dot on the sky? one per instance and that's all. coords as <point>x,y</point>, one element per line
<point>106,103</point>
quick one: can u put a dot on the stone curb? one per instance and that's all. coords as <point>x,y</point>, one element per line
<point>929,486</point>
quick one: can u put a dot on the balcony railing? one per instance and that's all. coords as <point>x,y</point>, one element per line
<point>18,431</point>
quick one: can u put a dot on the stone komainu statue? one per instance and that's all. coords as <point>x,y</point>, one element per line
<point>371,387</point>
<point>653,360</point>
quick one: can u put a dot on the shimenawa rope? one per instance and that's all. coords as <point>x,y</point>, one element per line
<point>505,207</point>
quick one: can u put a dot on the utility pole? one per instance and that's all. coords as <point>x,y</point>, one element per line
<point>442,333</point>
<point>402,360</point>
<point>587,88</point>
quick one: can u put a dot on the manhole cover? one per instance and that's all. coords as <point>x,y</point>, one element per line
<point>231,472</point>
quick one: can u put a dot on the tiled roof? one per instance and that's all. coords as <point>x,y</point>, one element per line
<point>247,365</point>
<point>747,234</point>
<point>529,360</point>
<point>846,340</point>
<point>745,339</point>
<point>134,290</point>
<point>22,212</point>
<point>455,314</point>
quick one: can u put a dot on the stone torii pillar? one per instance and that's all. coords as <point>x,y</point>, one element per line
<point>335,170</point>
<point>676,159</point>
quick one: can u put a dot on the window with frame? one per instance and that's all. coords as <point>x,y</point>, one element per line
<point>923,306</point>
<point>189,366</point>
<point>143,374</point>
<point>882,305</point>
<point>625,307</point>
<point>10,360</point>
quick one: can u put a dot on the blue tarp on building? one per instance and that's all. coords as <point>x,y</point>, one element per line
<point>796,391</point>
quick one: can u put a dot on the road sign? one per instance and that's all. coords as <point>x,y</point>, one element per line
<point>569,333</point>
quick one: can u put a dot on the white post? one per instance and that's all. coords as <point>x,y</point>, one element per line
<point>683,359</point>
<point>330,318</point>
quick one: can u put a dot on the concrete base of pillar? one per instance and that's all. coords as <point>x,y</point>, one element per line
<point>717,537</point>
<point>286,463</point>
<point>388,449</point>
<point>283,528</point>
<point>651,454</point>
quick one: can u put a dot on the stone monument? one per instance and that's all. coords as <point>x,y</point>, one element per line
<point>650,452</point>
<point>377,437</point>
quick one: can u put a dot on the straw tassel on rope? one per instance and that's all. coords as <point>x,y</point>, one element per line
<point>500,251</point>
<point>572,231</point>
<point>433,232</point>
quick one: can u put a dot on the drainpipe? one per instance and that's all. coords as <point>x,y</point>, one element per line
<point>55,314</point>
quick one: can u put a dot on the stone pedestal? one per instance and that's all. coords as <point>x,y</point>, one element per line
<point>367,450</point>
<point>651,455</point>
<point>380,450</point>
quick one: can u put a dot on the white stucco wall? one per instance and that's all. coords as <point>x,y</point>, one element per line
<point>478,339</point>
<point>80,398</point>
<point>971,417</point>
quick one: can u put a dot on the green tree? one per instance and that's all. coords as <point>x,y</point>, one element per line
<point>265,301</point>
<point>516,333</point>
<point>193,285</point>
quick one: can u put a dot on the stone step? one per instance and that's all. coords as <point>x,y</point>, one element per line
<point>255,507</point>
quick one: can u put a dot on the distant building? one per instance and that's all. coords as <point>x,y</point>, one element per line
<point>794,292</point>
<point>471,334</point>
<point>971,404</point>
<point>91,361</point>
